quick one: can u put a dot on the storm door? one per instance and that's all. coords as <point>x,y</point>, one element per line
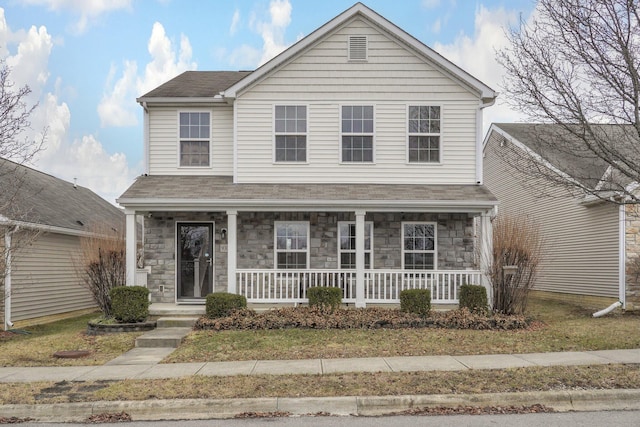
<point>195,260</point>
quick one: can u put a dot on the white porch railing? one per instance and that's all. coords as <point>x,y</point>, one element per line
<point>380,286</point>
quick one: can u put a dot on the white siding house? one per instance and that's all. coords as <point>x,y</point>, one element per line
<point>587,243</point>
<point>352,159</point>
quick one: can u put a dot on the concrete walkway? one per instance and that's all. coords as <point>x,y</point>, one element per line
<point>142,363</point>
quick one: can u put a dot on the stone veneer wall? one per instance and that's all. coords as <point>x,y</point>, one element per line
<point>455,242</point>
<point>632,270</point>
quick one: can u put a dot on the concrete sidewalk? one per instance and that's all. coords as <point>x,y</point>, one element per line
<point>142,363</point>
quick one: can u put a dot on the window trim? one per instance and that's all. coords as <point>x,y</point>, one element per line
<point>408,134</point>
<point>179,139</point>
<point>275,243</point>
<point>435,242</point>
<point>372,134</point>
<point>341,251</point>
<point>275,134</point>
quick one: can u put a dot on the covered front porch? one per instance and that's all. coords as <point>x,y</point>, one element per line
<point>371,241</point>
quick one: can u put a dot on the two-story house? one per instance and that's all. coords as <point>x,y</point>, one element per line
<point>352,159</point>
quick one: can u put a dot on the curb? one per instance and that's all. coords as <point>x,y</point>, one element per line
<point>182,409</point>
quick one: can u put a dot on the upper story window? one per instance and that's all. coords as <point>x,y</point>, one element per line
<point>419,245</point>
<point>195,141</point>
<point>347,244</point>
<point>291,133</point>
<point>424,134</point>
<point>357,133</point>
<point>292,244</point>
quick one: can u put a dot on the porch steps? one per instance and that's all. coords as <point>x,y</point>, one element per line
<point>162,338</point>
<point>176,322</point>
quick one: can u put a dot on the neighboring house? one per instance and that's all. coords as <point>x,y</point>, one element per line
<point>590,249</point>
<point>42,219</point>
<point>352,159</point>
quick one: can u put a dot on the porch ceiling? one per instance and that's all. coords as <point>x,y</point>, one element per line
<point>206,193</point>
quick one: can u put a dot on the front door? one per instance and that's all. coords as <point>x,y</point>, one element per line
<point>195,260</point>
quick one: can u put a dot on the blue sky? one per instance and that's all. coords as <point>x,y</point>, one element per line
<point>87,60</point>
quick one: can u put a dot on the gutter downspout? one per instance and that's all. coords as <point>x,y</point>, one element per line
<point>479,165</point>
<point>145,137</point>
<point>622,255</point>
<point>8,324</point>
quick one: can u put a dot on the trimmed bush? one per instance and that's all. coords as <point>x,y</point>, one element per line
<point>220,304</point>
<point>325,297</point>
<point>129,304</point>
<point>416,301</point>
<point>474,298</point>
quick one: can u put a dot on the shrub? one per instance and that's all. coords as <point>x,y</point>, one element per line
<point>416,301</point>
<point>221,304</point>
<point>130,304</point>
<point>474,298</point>
<point>325,297</point>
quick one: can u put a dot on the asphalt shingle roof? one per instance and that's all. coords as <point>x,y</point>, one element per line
<point>197,84</point>
<point>164,187</point>
<point>32,196</point>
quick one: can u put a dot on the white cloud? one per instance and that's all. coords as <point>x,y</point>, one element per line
<point>270,30</point>
<point>235,21</point>
<point>118,107</point>
<point>88,10</point>
<point>431,4</point>
<point>85,158</point>
<point>437,26</point>
<point>476,55</point>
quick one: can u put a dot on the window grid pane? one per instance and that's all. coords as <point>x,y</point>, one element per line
<point>194,138</point>
<point>424,134</point>
<point>347,244</point>
<point>291,245</point>
<point>419,246</point>
<point>291,128</point>
<point>358,121</point>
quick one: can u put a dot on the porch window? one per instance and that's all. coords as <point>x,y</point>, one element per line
<point>195,139</point>
<point>292,245</point>
<point>347,244</point>
<point>357,133</point>
<point>291,133</point>
<point>424,134</point>
<point>419,245</point>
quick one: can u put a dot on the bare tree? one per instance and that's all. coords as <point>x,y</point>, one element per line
<point>17,147</point>
<point>575,65</point>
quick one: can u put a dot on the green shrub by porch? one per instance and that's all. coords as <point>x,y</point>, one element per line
<point>474,297</point>
<point>417,301</point>
<point>325,297</point>
<point>220,304</point>
<point>129,304</point>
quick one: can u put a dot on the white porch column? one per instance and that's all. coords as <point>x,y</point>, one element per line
<point>360,270</point>
<point>131,246</point>
<point>486,253</point>
<point>232,233</point>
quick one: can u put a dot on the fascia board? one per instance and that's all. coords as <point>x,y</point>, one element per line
<point>181,100</point>
<point>446,66</point>
<point>47,228</point>
<point>310,205</point>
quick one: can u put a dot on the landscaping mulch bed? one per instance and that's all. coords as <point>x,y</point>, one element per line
<point>365,318</point>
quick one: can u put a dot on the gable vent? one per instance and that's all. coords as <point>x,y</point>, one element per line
<point>357,48</point>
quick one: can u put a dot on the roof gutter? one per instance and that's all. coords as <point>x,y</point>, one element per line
<point>8,324</point>
<point>47,228</point>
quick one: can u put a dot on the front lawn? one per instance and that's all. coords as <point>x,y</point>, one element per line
<point>37,346</point>
<point>561,327</point>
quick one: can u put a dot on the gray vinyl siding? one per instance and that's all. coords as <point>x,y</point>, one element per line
<point>323,79</point>
<point>580,242</point>
<point>163,137</point>
<point>44,281</point>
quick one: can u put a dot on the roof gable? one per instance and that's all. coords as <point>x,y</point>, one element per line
<point>359,10</point>
<point>43,199</point>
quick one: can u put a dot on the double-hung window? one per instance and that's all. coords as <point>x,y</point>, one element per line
<point>357,133</point>
<point>195,140</point>
<point>419,245</point>
<point>291,133</point>
<point>292,244</point>
<point>347,244</point>
<point>424,134</point>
